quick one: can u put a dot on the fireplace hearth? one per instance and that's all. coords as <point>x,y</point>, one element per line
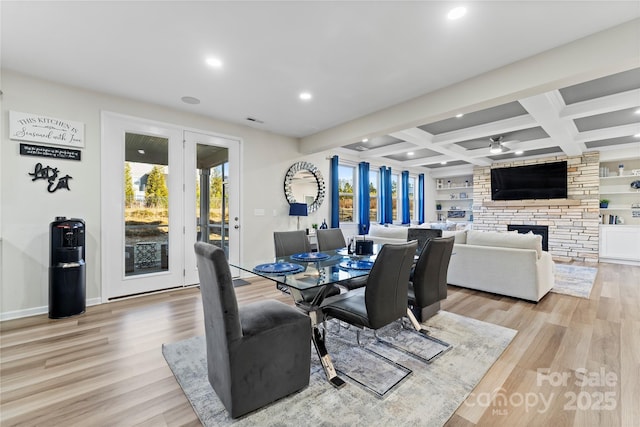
<point>541,230</point>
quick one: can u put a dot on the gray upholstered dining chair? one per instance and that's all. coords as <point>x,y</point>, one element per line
<point>383,299</point>
<point>331,239</point>
<point>256,353</point>
<point>429,287</point>
<point>429,284</point>
<point>422,235</point>
<point>291,242</point>
<point>294,242</point>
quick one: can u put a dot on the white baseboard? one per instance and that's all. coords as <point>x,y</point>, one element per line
<point>17,314</point>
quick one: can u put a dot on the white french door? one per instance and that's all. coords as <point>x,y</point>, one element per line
<point>151,200</point>
<point>212,210</point>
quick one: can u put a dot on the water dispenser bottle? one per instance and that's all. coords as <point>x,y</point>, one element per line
<point>67,274</point>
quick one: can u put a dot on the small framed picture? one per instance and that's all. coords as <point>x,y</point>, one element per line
<point>463,195</point>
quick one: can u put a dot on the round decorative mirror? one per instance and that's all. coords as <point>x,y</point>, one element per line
<point>303,183</point>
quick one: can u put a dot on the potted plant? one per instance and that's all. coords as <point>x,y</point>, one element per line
<point>604,203</point>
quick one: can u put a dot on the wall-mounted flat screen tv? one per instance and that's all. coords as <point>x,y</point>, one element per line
<point>540,181</point>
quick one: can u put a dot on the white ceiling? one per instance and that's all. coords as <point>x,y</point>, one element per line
<point>355,57</point>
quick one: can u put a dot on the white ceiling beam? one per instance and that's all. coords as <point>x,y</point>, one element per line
<point>485,130</point>
<point>424,161</point>
<point>424,139</point>
<point>605,104</point>
<point>388,150</point>
<point>608,133</point>
<point>545,108</point>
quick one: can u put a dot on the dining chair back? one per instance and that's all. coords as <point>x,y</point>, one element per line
<point>330,238</point>
<point>384,298</point>
<point>422,235</point>
<point>291,242</point>
<point>429,284</point>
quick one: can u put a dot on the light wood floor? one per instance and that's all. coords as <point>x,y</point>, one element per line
<point>105,367</point>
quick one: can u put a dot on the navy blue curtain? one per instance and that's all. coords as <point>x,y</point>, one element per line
<point>421,198</point>
<point>382,199</point>
<point>406,217</point>
<point>335,193</point>
<point>386,206</point>
<point>363,198</point>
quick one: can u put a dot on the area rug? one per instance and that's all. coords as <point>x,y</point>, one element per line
<point>574,280</point>
<point>240,282</point>
<point>427,397</point>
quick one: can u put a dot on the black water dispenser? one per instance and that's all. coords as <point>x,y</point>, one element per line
<point>67,274</point>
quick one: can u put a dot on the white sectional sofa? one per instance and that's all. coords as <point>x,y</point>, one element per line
<point>381,234</point>
<point>503,263</point>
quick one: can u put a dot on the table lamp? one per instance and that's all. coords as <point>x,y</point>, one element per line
<point>298,209</point>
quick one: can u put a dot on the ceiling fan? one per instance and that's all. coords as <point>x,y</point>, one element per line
<point>498,145</point>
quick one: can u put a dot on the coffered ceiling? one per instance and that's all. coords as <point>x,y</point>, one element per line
<point>601,114</point>
<point>356,60</point>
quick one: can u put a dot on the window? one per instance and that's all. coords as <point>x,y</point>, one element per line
<point>346,211</point>
<point>395,195</point>
<point>412,197</point>
<point>373,195</point>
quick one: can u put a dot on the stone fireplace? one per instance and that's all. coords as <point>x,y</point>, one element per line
<point>572,224</point>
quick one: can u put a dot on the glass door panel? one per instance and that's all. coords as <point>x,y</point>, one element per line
<point>212,200</point>
<point>146,204</point>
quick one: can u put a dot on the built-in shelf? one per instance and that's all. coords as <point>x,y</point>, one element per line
<point>613,177</point>
<point>534,202</point>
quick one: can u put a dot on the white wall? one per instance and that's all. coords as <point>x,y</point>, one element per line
<point>26,208</point>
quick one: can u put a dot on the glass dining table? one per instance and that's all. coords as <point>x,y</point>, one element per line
<point>313,273</point>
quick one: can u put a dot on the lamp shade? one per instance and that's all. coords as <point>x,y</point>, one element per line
<point>298,209</point>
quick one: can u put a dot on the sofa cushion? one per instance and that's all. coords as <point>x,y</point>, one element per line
<point>448,225</point>
<point>393,232</point>
<point>505,240</point>
<point>459,237</point>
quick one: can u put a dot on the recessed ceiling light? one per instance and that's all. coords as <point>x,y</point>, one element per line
<point>305,96</point>
<point>457,12</point>
<point>365,139</point>
<point>190,100</point>
<point>410,153</point>
<point>214,62</point>
<point>637,135</point>
<point>637,111</point>
<point>443,163</point>
<point>519,152</point>
<point>140,151</point>
<point>459,115</point>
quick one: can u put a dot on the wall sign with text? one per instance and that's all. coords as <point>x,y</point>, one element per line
<point>55,152</point>
<point>49,130</point>
<point>50,174</point>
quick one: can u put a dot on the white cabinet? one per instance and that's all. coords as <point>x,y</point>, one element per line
<point>454,197</point>
<point>620,243</point>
